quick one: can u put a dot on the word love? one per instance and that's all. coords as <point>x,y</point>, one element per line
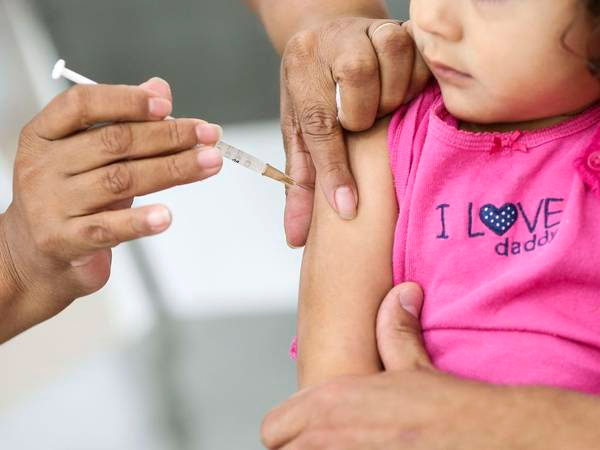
<point>538,220</point>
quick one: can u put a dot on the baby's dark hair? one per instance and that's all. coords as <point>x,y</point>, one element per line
<point>594,7</point>
<point>594,43</point>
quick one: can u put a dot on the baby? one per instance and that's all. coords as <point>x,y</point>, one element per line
<point>491,204</point>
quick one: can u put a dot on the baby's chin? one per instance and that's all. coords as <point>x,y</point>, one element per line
<point>482,108</point>
<point>481,111</point>
<point>476,114</point>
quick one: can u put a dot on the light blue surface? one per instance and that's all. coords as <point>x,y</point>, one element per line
<point>201,385</point>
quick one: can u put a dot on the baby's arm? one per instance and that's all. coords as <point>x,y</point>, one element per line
<point>347,270</point>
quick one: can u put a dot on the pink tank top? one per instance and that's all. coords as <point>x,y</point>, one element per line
<point>502,230</point>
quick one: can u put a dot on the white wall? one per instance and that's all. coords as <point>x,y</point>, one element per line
<point>226,250</point>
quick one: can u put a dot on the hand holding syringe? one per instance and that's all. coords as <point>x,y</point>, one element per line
<point>227,151</point>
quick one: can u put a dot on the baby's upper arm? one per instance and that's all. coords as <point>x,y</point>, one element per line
<point>347,269</point>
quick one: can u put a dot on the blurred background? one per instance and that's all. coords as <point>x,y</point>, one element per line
<point>186,348</point>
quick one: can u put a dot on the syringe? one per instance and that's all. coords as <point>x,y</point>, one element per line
<point>227,151</point>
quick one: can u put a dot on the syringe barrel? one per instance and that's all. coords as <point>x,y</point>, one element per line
<point>242,158</point>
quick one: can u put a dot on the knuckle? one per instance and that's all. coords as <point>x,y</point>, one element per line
<point>117,139</point>
<point>333,169</point>
<point>300,47</point>
<point>175,132</point>
<point>176,171</point>
<point>393,41</point>
<point>117,179</point>
<point>406,328</point>
<point>26,137</point>
<point>358,70</point>
<point>27,142</point>
<point>25,174</point>
<point>319,122</point>
<point>45,242</point>
<point>77,99</point>
<point>98,234</point>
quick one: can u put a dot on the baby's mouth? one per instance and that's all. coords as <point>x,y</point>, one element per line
<point>447,73</point>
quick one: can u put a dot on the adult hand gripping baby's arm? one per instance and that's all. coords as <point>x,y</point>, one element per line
<point>413,406</point>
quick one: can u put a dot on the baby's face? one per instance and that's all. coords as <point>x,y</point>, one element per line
<point>506,60</point>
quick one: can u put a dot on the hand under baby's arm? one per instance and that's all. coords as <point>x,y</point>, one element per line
<point>347,270</point>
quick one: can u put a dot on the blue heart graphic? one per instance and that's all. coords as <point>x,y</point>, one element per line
<point>499,220</point>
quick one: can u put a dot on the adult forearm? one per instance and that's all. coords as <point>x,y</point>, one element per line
<point>284,18</point>
<point>550,419</point>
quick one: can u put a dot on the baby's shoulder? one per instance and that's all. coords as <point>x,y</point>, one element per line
<point>419,107</point>
<point>412,118</point>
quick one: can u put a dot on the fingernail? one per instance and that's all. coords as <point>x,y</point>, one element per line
<point>411,299</point>
<point>158,218</point>
<point>209,158</point>
<point>345,203</point>
<point>208,133</point>
<point>293,247</point>
<point>159,107</point>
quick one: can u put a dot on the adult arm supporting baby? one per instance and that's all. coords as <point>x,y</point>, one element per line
<point>285,18</point>
<point>347,270</point>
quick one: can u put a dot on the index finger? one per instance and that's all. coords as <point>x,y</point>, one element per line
<point>299,165</point>
<point>324,139</point>
<point>312,95</point>
<point>82,106</point>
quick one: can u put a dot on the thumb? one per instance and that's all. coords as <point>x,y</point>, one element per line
<point>399,338</point>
